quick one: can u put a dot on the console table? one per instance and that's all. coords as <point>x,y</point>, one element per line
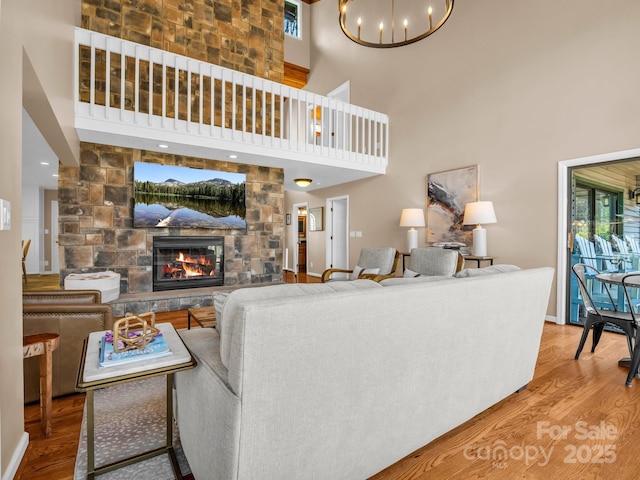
<point>478,260</point>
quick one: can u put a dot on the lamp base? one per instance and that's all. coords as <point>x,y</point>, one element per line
<point>412,239</point>
<point>479,248</point>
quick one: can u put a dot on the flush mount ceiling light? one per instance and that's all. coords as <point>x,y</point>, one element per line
<point>303,182</point>
<point>373,23</point>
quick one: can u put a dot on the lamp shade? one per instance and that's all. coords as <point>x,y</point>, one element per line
<point>412,217</point>
<point>477,213</point>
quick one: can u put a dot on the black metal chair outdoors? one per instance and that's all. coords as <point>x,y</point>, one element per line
<point>632,281</point>
<point>597,318</point>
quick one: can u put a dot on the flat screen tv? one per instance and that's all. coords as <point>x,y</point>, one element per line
<point>185,197</point>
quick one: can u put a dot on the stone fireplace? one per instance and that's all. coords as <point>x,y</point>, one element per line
<point>97,232</point>
<point>187,262</point>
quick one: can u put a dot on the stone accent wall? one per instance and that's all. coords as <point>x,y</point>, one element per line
<point>96,223</point>
<point>244,35</point>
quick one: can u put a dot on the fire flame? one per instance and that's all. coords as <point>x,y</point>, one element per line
<point>191,266</point>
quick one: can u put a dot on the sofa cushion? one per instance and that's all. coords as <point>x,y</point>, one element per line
<point>230,303</point>
<point>478,272</point>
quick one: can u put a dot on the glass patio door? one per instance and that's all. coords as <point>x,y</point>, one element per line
<point>595,212</point>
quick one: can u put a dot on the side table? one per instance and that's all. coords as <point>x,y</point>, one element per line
<point>91,377</point>
<point>43,345</point>
<point>478,260</point>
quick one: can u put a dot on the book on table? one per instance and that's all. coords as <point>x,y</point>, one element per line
<point>156,348</point>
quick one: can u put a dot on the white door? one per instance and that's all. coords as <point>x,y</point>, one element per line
<point>338,232</point>
<point>55,266</point>
<point>337,121</point>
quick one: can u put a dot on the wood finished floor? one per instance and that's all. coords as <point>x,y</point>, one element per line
<point>576,420</point>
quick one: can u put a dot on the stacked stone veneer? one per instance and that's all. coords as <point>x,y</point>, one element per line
<point>96,223</point>
<point>244,35</point>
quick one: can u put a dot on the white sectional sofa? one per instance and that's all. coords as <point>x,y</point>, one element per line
<point>339,382</point>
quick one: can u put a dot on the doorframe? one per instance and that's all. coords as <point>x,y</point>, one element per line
<point>329,222</point>
<point>563,219</point>
<point>54,230</point>
<point>294,215</point>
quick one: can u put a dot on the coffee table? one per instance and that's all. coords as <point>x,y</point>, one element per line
<point>205,316</point>
<point>92,377</point>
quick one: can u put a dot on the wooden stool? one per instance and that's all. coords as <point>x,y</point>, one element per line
<point>42,345</point>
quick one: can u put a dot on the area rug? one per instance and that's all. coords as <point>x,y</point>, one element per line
<point>130,419</point>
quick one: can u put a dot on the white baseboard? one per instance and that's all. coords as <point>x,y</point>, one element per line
<point>552,318</point>
<point>16,458</point>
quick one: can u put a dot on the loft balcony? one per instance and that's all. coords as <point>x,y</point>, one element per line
<point>153,97</point>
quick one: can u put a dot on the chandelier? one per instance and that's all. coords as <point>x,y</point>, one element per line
<point>375,23</point>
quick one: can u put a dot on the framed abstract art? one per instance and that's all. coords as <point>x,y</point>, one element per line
<point>447,194</point>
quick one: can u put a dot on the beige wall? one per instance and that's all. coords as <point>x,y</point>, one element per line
<point>11,416</point>
<point>296,50</point>
<point>514,87</point>
<point>34,37</point>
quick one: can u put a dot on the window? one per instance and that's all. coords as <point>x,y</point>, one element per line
<point>292,18</point>
<point>596,211</point>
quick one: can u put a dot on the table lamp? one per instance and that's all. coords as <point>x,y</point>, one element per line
<point>412,217</point>
<point>478,213</point>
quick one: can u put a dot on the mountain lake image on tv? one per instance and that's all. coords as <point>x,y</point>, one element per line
<point>185,197</point>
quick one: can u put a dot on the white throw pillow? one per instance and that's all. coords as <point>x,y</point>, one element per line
<point>410,274</point>
<point>357,270</point>
<point>219,299</point>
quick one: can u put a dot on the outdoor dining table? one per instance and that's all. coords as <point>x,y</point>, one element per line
<point>616,280</point>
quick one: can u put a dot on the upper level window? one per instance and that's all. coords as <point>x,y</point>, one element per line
<point>292,18</point>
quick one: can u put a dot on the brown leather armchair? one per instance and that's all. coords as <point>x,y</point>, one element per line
<point>72,314</point>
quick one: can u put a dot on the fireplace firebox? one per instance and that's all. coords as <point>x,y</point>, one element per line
<point>187,262</point>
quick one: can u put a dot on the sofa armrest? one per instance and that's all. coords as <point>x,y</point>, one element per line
<point>62,296</point>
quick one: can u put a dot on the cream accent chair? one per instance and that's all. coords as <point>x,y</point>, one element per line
<point>434,261</point>
<point>383,259</point>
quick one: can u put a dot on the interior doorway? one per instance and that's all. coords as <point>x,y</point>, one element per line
<point>300,237</point>
<point>591,203</point>
<point>55,266</point>
<point>337,255</point>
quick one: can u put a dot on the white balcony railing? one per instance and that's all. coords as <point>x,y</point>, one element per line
<point>218,107</point>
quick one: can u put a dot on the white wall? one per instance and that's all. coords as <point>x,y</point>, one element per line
<point>514,87</point>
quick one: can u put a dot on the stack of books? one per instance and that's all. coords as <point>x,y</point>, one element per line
<point>156,348</point>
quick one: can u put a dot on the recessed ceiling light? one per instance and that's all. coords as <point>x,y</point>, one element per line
<point>162,145</point>
<point>54,175</point>
<point>44,163</point>
<point>233,156</point>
